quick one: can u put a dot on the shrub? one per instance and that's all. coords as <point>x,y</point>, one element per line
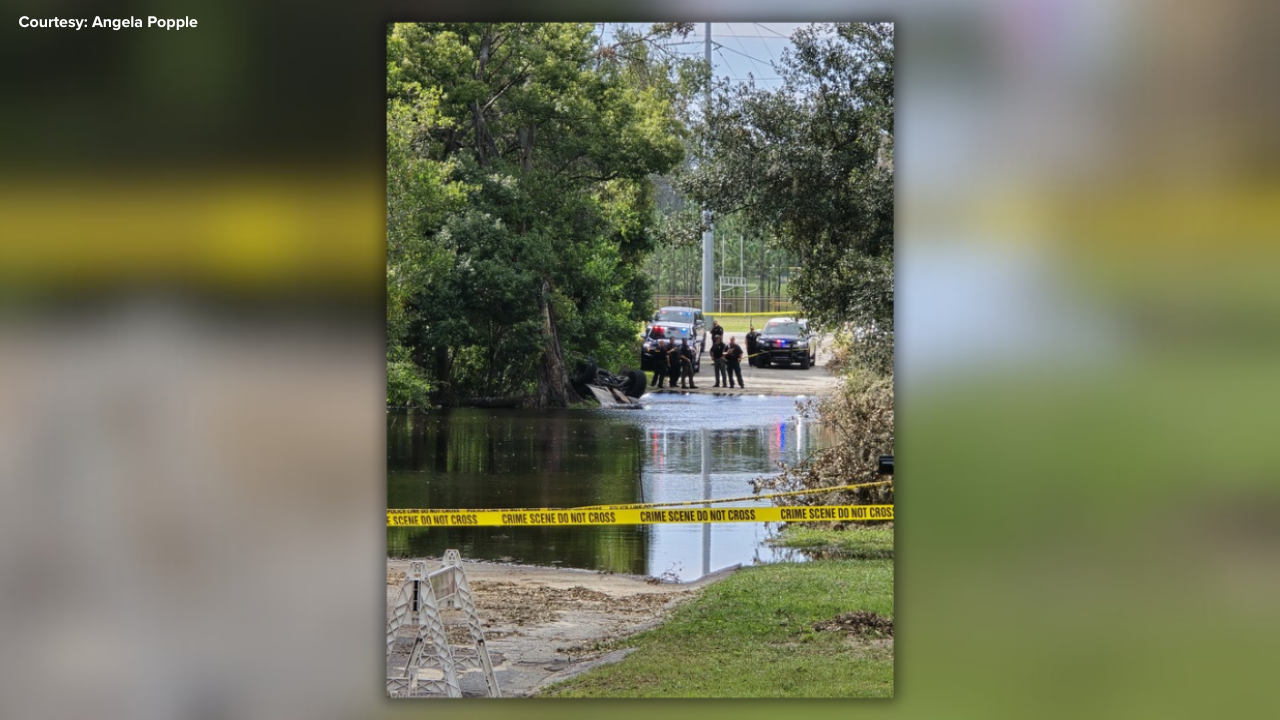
<point>406,384</point>
<point>860,416</point>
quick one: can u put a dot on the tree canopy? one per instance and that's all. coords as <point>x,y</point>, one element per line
<point>520,207</point>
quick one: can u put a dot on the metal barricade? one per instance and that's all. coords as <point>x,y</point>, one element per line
<point>433,663</point>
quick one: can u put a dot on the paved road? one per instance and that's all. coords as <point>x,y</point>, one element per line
<point>789,380</point>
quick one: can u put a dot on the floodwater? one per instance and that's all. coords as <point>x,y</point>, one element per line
<point>678,448</point>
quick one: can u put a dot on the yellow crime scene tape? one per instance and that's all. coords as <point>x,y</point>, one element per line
<point>638,506</point>
<point>824,513</point>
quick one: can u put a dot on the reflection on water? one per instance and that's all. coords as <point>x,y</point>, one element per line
<point>680,447</point>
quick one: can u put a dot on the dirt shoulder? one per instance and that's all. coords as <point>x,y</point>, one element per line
<point>547,624</point>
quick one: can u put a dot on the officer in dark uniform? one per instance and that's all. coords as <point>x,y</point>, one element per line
<point>734,359</point>
<point>686,364</point>
<point>717,357</point>
<point>717,332</point>
<point>673,362</point>
<point>753,346</point>
<point>659,364</point>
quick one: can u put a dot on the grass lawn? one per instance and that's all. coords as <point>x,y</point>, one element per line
<point>741,325</point>
<point>856,542</point>
<point>752,635</point>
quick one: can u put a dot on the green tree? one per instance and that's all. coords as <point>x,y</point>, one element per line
<point>811,163</point>
<point>419,195</point>
<point>556,142</point>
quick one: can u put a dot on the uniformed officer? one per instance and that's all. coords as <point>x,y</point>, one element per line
<point>659,364</point>
<point>753,346</point>
<point>686,364</point>
<point>673,362</point>
<point>717,357</point>
<point>734,358</point>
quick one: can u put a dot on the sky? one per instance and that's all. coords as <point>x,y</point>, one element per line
<point>738,50</point>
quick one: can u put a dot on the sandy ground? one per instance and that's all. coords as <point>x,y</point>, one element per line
<point>773,380</point>
<point>546,624</point>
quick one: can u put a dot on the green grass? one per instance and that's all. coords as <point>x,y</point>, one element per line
<point>741,325</point>
<point>857,542</point>
<point>751,635</point>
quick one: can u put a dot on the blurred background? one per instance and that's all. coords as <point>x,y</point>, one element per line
<point>191,357</point>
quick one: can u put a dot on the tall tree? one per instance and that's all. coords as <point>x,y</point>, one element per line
<point>558,141</point>
<point>419,195</point>
<point>812,164</point>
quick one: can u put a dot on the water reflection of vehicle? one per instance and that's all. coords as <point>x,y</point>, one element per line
<point>787,340</point>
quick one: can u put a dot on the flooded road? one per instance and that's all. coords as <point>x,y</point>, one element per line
<point>678,448</point>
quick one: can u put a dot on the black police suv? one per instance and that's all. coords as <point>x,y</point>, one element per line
<point>785,341</point>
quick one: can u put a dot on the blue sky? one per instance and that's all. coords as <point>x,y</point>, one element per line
<point>739,50</point>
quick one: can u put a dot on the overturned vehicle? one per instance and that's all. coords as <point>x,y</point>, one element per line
<point>627,383</point>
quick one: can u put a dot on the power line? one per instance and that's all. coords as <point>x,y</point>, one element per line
<point>772,59</point>
<point>725,59</point>
<point>780,36</point>
<point>679,48</point>
<point>744,52</point>
<point>726,47</point>
<point>775,32</point>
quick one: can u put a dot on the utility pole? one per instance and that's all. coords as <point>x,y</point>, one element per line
<point>708,235</point>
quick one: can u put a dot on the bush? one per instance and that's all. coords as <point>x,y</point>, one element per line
<point>406,384</point>
<point>861,418</point>
<point>870,348</point>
